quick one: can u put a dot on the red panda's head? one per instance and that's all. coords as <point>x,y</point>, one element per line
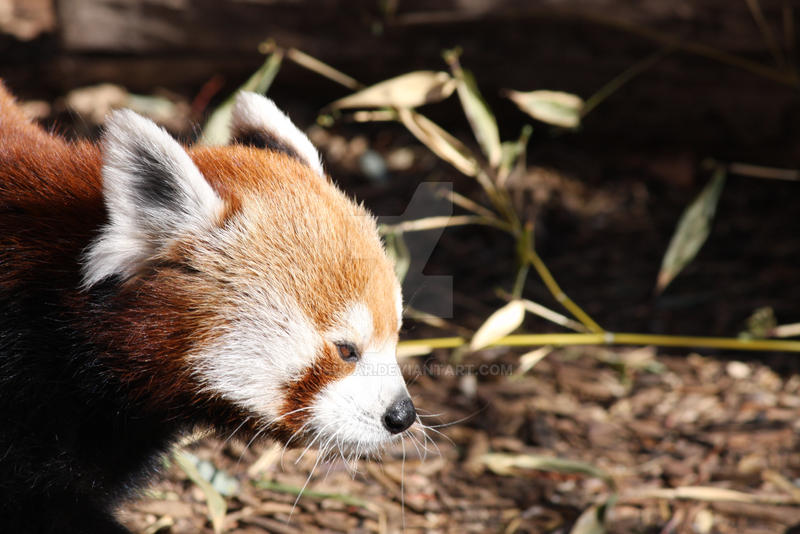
<point>293,304</point>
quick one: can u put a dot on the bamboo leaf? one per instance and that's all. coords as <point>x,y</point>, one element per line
<point>439,141</point>
<point>692,230</point>
<point>593,519</point>
<point>507,464</point>
<point>218,127</point>
<point>217,507</point>
<point>513,154</point>
<point>528,360</point>
<point>406,91</point>
<point>480,117</point>
<point>589,522</point>
<point>312,494</point>
<point>708,494</point>
<point>553,107</point>
<point>499,324</point>
<point>409,351</point>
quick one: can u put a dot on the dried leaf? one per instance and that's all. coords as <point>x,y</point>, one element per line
<point>703,521</point>
<point>706,493</point>
<point>553,107</point>
<point>480,117</point>
<point>217,507</point>
<point>528,360</point>
<point>268,458</point>
<point>218,127</point>
<point>499,324</point>
<point>406,91</point>
<point>408,351</point>
<point>692,231</point>
<point>589,522</point>
<point>593,519</point>
<point>162,524</point>
<point>506,464</point>
<point>439,141</point>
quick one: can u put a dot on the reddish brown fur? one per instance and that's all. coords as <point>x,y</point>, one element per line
<point>299,394</point>
<point>51,195</point>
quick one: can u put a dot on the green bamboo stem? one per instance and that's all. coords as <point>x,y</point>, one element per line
<point>559,295</point>
<point>519,283</point>
<point>766,32</point>
<point>626,76</point>
<point>469,204</point>
<point>611,338</point>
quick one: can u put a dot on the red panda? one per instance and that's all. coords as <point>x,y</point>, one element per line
<point>146,288</point>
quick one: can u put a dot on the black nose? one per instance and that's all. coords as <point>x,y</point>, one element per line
<point>399,416</point>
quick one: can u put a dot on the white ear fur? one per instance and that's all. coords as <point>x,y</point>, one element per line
<point>256,113</point>
<point>153,192</point>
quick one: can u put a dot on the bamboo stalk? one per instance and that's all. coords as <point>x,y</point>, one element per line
<point>612,338</point>
<point>760,171</point>
<point>559,295</point>
<point>381,115</point>
<point>444,221</point>
<point>323,69</point>
<point>766,32</point>
<point>620,80</point>
<point>469,204</point>
<point>552,316</point>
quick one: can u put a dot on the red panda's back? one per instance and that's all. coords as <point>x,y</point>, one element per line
<point>50,198</point>
<point>36,165</point>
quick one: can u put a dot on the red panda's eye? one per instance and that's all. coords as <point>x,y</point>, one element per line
<point>348,352</point>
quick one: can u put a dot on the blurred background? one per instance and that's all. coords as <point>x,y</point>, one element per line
<point>668,129</point>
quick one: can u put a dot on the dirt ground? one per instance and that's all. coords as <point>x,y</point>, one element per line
<point>652,422</point>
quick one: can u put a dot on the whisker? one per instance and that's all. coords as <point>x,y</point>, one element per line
<point>423,431</point>
<point>445,436</point>
<point>457,421</point>
<point>247,446</point>
<point>230,437</point>
<point>413,380</point>
<point>403,485</point>
<point>300,493</point>
<point>311,443</point>
<point>440,414</point>
<point>295,433</point>
<point>283,416</point>
<point>414,442</point>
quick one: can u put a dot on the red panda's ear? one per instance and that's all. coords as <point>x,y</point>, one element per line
<point>153,193</point>
<point>258,122</point>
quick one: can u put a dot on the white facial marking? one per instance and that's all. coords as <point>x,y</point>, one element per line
<point>256,112</point>
<point>267,344</point>
<point>351,410</point>
<point>399,305</point>
<point>153,193</point>
<point>353,326</point>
